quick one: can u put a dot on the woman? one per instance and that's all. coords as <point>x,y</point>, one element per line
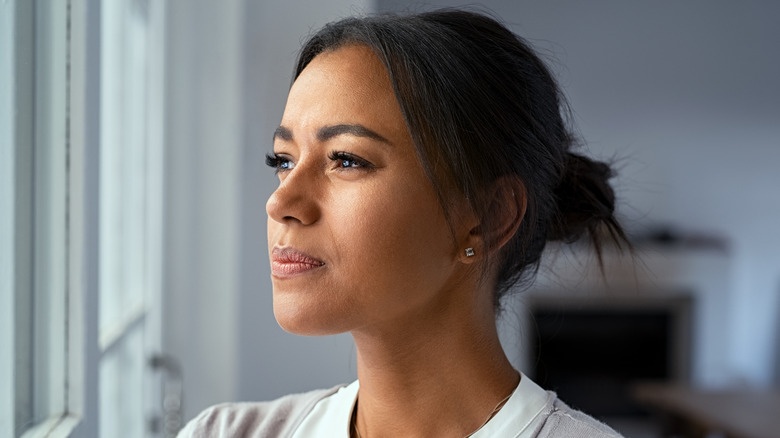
<point>423,165</point>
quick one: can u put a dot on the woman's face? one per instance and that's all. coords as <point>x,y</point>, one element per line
<point>356,235</point>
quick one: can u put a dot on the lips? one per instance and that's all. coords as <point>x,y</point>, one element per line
<point>289,262</point>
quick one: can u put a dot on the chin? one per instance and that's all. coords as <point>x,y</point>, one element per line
<point>307,320</point>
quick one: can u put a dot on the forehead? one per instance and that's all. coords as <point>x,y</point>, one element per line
<point>346,85</point>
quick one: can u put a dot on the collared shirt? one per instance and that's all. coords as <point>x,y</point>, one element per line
<point>332,415</point>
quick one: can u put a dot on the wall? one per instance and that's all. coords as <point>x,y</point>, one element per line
<point>684,95</point>
<point>227,78</point>
<point>203,136</point>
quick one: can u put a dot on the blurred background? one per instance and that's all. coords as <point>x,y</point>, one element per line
<point>134,275</point>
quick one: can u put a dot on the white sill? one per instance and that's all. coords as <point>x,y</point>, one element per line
<point>54,427</point>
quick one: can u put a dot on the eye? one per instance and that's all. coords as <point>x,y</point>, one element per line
<point>280,162</point>
<point>345,160</point>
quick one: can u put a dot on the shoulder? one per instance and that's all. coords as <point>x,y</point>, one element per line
<point>277,418</point>
<point>563,421</point>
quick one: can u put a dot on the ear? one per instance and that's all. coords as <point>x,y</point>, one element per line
<point>470,244</point>
<point>507,201</point>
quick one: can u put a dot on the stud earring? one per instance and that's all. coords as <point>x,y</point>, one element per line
<point>469,252</point>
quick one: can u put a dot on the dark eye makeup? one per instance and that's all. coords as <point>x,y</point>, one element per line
<point>278,162</point>
<point>343,160</point>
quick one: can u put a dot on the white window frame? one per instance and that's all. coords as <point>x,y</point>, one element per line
<point>7,219</point>
<point>42,219</point>
<point>50,216</point>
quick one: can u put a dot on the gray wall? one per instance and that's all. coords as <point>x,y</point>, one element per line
<point>685,95</point>
<point>227,79</point>
<point>203,136</point>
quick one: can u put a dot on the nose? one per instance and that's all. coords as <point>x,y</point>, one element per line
<point>295,200</point>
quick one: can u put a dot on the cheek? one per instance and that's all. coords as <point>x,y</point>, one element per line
<point>392,231</point>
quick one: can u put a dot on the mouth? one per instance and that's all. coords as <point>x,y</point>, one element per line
<point>289,262</point>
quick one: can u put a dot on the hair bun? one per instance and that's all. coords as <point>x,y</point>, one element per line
<point>585,200</point>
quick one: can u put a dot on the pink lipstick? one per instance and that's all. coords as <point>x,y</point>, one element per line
<point>288,262</point>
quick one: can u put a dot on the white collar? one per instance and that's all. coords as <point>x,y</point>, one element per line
<point>331,416</point>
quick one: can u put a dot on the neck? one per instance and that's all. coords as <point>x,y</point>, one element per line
<point>441,377</point>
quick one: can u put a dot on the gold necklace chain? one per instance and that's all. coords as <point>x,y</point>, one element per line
<point>489,417</point>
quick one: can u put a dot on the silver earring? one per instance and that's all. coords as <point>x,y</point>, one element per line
<point>469,252</point>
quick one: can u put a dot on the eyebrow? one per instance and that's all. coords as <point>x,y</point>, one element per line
<point>328,132</point>
<point>283,133</point>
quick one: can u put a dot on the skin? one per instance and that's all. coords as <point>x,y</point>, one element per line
<point>382,262</point>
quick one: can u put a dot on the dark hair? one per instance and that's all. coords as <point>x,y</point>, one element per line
<point>480,105</point>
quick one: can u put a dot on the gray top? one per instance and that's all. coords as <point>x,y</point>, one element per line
<point>283,418</point>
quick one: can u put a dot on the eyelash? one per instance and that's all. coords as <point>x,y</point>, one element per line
<point>278,161</point>
<point>354,159</point>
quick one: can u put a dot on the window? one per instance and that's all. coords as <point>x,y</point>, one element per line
<point>130,217</point>
<point>80,216</point>
<point>35,218</point>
